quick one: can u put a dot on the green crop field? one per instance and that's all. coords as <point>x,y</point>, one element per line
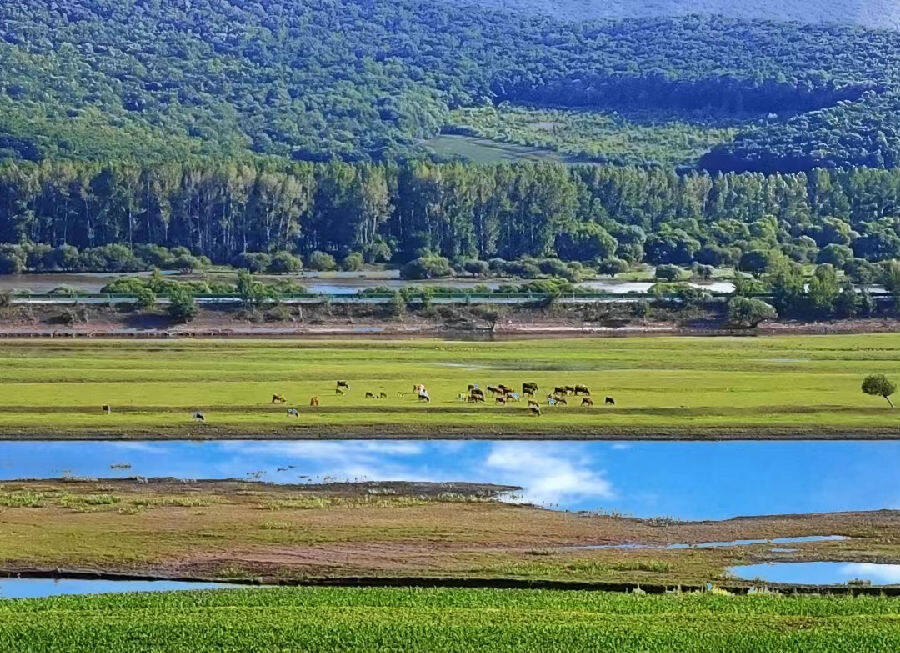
<point>373,620</point>
<point>667,387</point>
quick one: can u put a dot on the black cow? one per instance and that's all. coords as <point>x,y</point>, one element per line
<point>610,401</point>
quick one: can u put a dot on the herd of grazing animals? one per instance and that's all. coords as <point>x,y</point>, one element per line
<point>502,394</point>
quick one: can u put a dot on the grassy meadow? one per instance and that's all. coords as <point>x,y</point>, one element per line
<point>663,387</point>
<point>464,620</point>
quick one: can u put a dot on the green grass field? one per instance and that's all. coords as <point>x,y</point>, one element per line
<point>675,387</point>
<point>376,620</point>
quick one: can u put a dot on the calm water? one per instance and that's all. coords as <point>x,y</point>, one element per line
<point>820,573</point>
<point>30,588</point>
<point>686,480</point>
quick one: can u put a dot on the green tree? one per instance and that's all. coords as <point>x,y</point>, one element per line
<point>145,297</point>
<point>748,312</point>
<point>824,289</point>
<point>182,305</point>
<point>878,385</point>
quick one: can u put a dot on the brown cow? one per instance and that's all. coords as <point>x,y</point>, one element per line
<point>535,410</point>
<point>343,384</point>
<point>314,402</point>
<point>587,401</point>
<point>501,400</point>
<point>533,404</point>
<point>278,399</point>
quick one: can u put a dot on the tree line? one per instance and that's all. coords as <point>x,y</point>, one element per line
<point>404,212</point>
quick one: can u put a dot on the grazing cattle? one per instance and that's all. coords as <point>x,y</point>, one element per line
<point>559,390</point>
<point>582,390</point>
<point>477,392</point>
<point>199,416</point>
<point>343,384</point>
<point>474,399</point>
<point>570,390</point>
<point>314,402</point>
<point>278,399</point>
<point>533,404</point>
<point>473,387</point>
<point>535,410</point>
<point>610,401</point>
<point>338,391</point>
<point>423,396</point>
<point>107,409</point>
<point>382,395</point>
<point>370,395</point>
<point>587,401</point>
<point>529,388</point>
<point>494,390</point>
<point>419,388</point>
<point>501,400</point>
<point>561,402</point>
<point>505,389</point>
<point>293,412</point>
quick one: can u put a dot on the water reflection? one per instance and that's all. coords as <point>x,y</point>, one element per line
<point>686,480</point>
<point>31,588</point>
<point>820,573</point>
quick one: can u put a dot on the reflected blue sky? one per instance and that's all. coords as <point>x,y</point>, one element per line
<point>820,573</point>
<point>30,588</point>
<point>686,480</point>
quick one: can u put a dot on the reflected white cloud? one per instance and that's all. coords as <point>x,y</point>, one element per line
<point>548,478</point>
<point>877,573</point>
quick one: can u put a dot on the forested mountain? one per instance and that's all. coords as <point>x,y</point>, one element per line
<point>368,79</point>
<point>867,13</point>
<point>58,212</point>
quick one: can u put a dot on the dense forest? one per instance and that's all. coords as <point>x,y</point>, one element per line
<point>56,212</point>
<point>367,80</point>
<point>868,13</point>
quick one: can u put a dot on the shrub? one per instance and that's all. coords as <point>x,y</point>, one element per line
<point>667,272</point>
<point>321,261</point>
<point>146,298</point>
<point>478,268</point>
<point>182,306</point>
<point>352,262</point>
<point>284,263</point>
<point>426,267</point>
<point>612,266</point>
<point>748,312</point>
<point>253,261</point>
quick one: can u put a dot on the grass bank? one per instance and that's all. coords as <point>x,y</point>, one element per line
<point>792,386</point>
<point>308,533</point>
<point>464,620</point>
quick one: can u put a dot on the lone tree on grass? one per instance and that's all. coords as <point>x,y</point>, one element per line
<point>878,385</point>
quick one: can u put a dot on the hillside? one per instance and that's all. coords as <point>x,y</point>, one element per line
<point>369,79</point>
<point>866,13</point>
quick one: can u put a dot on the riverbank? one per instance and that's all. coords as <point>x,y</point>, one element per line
<point>256,532</point>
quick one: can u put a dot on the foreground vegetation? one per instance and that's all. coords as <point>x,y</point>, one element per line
<point>772,386</point>
<point>449,620</point>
